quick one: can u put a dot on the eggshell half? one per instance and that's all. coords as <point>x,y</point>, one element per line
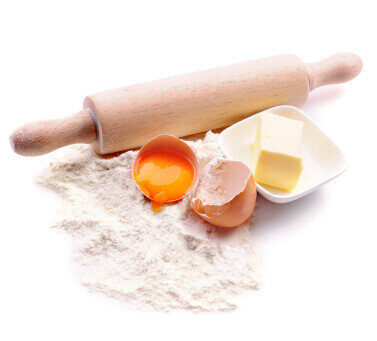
<point>168,143</point>
<point>226,193</point>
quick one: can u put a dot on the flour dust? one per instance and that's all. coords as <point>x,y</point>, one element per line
<point>155,261</point>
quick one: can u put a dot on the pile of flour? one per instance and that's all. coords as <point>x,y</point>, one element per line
<point>165,260</point>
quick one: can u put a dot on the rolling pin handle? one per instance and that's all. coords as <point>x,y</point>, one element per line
<point>338,68</point>
<point>42,137</point>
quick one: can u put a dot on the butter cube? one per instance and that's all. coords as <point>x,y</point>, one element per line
<point>275,153</point>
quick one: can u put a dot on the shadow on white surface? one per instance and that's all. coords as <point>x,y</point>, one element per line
<point>270,216</point>
<point>324,95</point>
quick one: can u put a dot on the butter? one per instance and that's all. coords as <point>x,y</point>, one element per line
<point>275,153</point>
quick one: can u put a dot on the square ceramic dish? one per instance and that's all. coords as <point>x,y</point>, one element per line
<point>322,159</point>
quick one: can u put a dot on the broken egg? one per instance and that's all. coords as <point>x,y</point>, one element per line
<point>165,170</point>
<point>226,193</point>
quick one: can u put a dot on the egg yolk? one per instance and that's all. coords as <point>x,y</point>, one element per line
<point>164,176</point>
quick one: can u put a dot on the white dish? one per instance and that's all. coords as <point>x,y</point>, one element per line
<point>322,159</point>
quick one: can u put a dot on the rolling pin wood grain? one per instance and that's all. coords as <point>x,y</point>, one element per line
<point>128,117</point>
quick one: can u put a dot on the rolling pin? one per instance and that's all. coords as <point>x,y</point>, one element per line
<point>127,117</point>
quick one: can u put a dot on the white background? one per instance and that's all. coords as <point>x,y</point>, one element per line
<point>320,252</point>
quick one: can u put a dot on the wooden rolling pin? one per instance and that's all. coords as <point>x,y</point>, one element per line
<point>127,117</point>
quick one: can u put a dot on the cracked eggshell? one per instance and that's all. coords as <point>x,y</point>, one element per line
<point>226,193</point>
<point>170,143</point>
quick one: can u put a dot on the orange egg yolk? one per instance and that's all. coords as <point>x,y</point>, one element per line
<point>164,176</point>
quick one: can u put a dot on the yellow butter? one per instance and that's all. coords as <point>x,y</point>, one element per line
<point>276,157</point>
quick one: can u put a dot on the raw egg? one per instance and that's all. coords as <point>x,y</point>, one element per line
<point>226,193</point>
<point>165,170</point>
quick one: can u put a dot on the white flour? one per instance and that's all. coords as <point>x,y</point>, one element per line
<point>165,260</point>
